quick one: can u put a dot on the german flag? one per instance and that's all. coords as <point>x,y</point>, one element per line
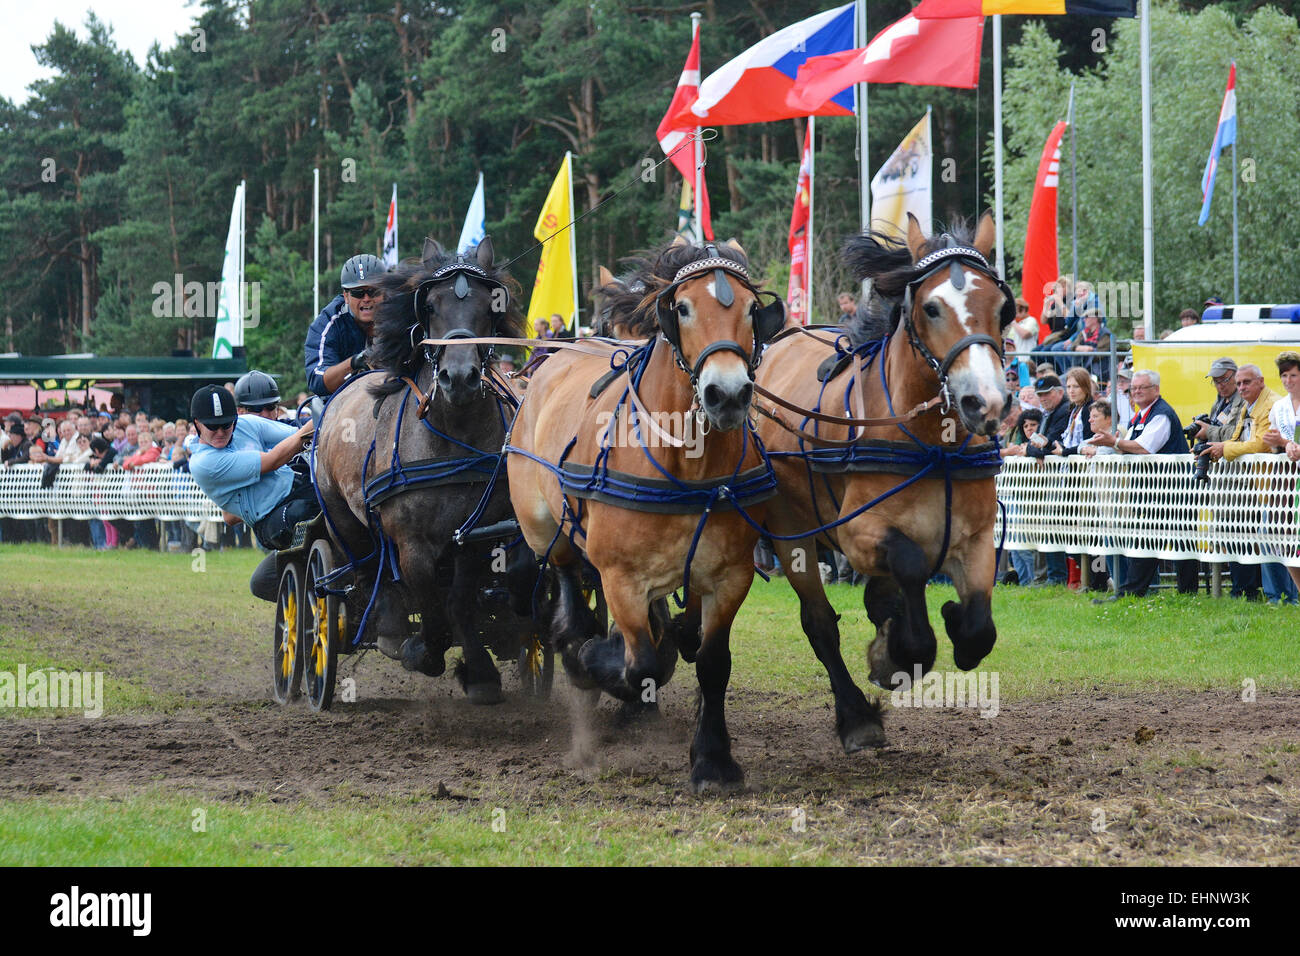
<point>947,9</point>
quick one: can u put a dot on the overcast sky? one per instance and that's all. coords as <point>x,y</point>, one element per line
<point>136,25</point>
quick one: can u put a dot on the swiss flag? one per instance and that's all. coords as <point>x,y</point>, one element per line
<point>670,138</point>
<point>919,52</point>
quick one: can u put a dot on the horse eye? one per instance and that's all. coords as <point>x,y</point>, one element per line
<point>931,310</point>
<point>681,310</point>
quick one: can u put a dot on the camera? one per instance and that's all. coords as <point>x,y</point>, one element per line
<point>1195,426</point>
<point>1201,465</point>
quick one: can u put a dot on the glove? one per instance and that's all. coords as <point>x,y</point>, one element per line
<point>361,360</point>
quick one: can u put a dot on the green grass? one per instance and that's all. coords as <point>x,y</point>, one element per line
<point>158,829</point>
<point>1050,641</point>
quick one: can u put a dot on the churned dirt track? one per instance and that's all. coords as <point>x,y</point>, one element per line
<point>1107,776</point>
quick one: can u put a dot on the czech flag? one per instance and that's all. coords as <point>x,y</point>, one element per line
<point>1225,135</point>
<point>752,88</point>
<point>945,9</point>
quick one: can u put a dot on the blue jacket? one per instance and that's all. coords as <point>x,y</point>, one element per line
<point>333,337</point>
<point>232,476</point>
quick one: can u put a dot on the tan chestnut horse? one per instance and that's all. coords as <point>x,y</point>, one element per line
<point>639,472</point>
<point>929,336</point>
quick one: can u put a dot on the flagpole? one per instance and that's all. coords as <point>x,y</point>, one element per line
<point>864,177</point>
<point>1074,193</point>
<point>1148,227</point>
<point>239,286</point>
<point>573,243</point>
<point>997,141</point>
<point>1236,287</point>
<point>315,241</point>
<point>812,192</point>
<point>697,196</point>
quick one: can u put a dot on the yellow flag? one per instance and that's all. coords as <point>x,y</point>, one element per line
<point>554,289</point>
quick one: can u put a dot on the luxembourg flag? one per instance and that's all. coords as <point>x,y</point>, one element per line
<point>1225,135</point>
<point>752,88</point>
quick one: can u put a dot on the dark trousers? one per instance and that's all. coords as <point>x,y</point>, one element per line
<point>1245,580</point>
<point>1142,574</point>
<point>275,531</point>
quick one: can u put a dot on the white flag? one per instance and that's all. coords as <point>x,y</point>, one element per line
<point>474,230</point>
<point>903,183</point>
<point>230,315</point>
<point>390,232</point>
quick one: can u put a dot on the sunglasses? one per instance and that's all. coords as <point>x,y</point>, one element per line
<point>219,428</point>
<point>366,293</point>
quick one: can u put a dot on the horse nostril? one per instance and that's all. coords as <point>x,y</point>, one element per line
<point>713,396</point>
<point>746,393</point>
<point>973,407</point>
<point>444,378</point>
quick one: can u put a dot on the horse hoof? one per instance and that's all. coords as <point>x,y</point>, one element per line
<point>632,712</point>
<point>416,657</point>
<point>484,694</point>
<point>866,735</point>
<point>391,646</point>
<point>717,776</point>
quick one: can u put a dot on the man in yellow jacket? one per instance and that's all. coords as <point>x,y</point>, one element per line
<point>1248,439</point>
<point>1248,433</point>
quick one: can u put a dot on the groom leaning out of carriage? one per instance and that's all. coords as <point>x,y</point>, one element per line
<point>243,464</point>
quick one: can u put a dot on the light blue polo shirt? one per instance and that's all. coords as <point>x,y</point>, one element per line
<point>232,476</point>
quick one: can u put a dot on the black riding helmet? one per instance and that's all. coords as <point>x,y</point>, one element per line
<point>256,390</point>
<point>212,405</point>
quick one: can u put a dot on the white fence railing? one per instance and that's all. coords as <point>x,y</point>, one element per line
<point>1139,505</point>
<point>1150,506</point>
<point>150,491</point>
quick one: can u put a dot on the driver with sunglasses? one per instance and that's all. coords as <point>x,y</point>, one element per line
<point>337,341</point>
<point>243,464</point>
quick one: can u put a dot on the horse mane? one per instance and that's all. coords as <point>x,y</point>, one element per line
<point>619,303</point>
<point>655,269</point>
<point>391,349</point>
<point>885,259</point>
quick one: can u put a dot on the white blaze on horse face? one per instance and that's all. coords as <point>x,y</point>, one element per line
<point>977,371</point>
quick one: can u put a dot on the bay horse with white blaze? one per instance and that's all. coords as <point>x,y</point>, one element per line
<point>908,491</point>
<point>636,463</point>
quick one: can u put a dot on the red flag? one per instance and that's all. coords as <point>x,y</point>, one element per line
<point>672,138</point>
<point>919,52</point>
<point>1040,268</point>
<point>796,295</point>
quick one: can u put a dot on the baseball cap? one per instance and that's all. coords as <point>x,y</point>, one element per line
<point>1124,371</point>
<point>213,405</point>
<point>1045,384</point>
<point>1213,300</point>
<point>1222,367</point>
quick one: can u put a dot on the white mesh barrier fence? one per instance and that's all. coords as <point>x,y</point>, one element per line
<point>150,491</point>
<point>1150,506</point>
<point>1139,505</point>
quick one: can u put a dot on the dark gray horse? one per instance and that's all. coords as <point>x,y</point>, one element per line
<point>404,457</point>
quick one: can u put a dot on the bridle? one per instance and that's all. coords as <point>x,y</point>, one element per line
<point>768,319</point>
<point>459,270</point>
<point>953,257</point>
